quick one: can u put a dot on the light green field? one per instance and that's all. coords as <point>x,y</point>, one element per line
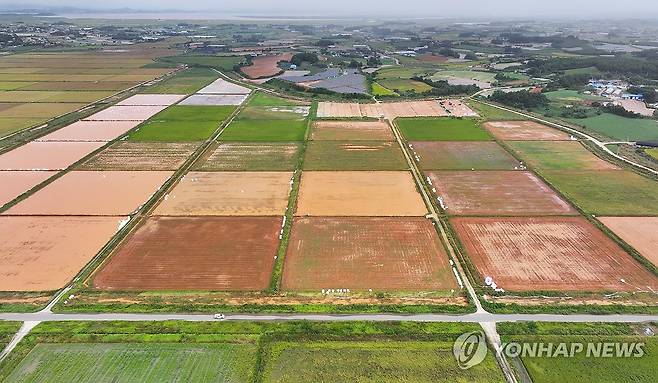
<point>35,110</point>
<point>264,99</point>
<point>7,331</point>
<point>126,362</point>
<point>489,113</point>
<point>607,192</point>
<point>342,361</point>
<point>558,155</point>
<point>621,128</point>
<point>272,113</point>
<point>566,95</point>
<point>582,368</point>
<point>182,123</point>
<point>219,62</point>
<point>265,130</point>
<point>578,71</point>
<point>442,129</point>
<point>404,85</point>
<point>10,125</point>
<point>11,85</point>
<point>379,90</point>
<point>652,152</point>
<point>398,72</point>
<point>467,74</point>
<point>351,155</point>
<point>186,82</point>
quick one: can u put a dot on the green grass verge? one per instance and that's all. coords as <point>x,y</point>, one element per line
<point>441,129</point>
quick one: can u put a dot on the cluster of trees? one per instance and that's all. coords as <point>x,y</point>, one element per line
<point>569,81</point>
<point>619,111</point>
<point>299,58</point>
<point>521,99</point>
<point>619,65</point>
<point>442,88</point>
<point>649,94</point>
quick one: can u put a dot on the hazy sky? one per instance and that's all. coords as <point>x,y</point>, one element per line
<point>452,8</point>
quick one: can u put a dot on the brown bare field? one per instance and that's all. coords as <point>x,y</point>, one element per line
<point>152,100</point>
<point>252,156</point>
<point>524,131</point>
<point>392,110</point>
<point>46,155</point>
<point>42,109</point>
<point>550,253</point>
<point>44,253</point>
<point>126,113</point>
<point>359,193</point>
<point>457,108</point>
<point>102,131</point>
<point>79,85</point>
<point>193,253</point>
<point>15,183</point>
<point>385,254</point>
<point>639,232</point>
<point>497,193</point>
<point>127,155</point>
<point>265,66</point>
<point>463,155</point>
<point>228,193</point>
<point>351,130</point>
<point>93,193</point>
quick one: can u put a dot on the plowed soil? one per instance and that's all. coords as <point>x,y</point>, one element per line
<point>228,193</point>
<point>265,66</point>
<point>253,156</point>
<point>557,254</point>
<point>391,110</point>
<point>524,131</point>
<point>350,155</point>
<point>210,253</point>
<point>127,155</point>
<point>391,254</point>
<point>351,130</point>
<point>463,155</point>
<point>639,232</point>
<point>497,193</point>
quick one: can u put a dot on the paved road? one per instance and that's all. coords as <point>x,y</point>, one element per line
<point>473,318</point>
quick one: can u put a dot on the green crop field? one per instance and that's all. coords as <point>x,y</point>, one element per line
<point>351,155</point>
<point>456,155</point>
<point>565,95</point>
<point>620,128</point>
<point>265,130</point>
<point>489,113</point>
<point>7,331</point>
<point>607,192</point>
<point>467,74</point>
<point>264,99</point>
<point>186,82</point>
<point>441,129</point>
<point>272,113</point>
<point>652,152</point>
<point>342,361</point>
<point>558,155</point>
<point>582,368</point>
<point>147,362</point>
<point>252,156</point>
<point>182,123</point>
<point>11,85</point>
<point>379,90</point>
<point>404,85</point>
<point>11,125</point>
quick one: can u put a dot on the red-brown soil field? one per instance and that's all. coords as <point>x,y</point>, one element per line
<point>44,253</point>
<point>359,193</point>
<point>15,183</point>
<point>639,232</point>
<point>392,110</point>
<point>497,193</point>
<point>524,131</point>
<point>265,66</point>
<point>352,130</point>
<point>152,99</point>
<point>46,155</point>
<point>550,254</point>
<point>228,193</point>
<point>194,253</point>
<point>92,193</point>
<point>91,131</point>
<point>391,254</point>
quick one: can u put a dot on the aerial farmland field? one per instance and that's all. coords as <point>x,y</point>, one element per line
<point>129,155</point>
<point>359,193</point>
<point>382,254</point>
<point>251,156</point>
<point>144,362</point>
<point>15,183</point>
<point>182,123</point>
<point>351,131</point>
<point>563,254</point>
<point>559,155</point>
<point>47,155</point>
<point>497,193</point>
<point>441,129</point>
<point>221,253</point>
<point>639,232</point>
<point>102,131</point>
<point>607,192</point>
<point>462,155</point>
<point>354,155</point>
<point>524,131</point>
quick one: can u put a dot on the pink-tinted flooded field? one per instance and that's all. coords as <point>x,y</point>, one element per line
<point>550,253</point>
<point>15,183</point>
<point>126,113</point>
<point>497,193</point>
<point>152,99</point>
<point>93,193</point>
<point>524,131</point>
<point>46,155</point>
<point>45,253</point>
<point>101,131</point>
